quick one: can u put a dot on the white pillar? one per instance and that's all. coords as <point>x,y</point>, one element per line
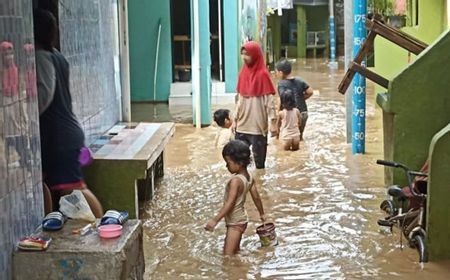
<point>124,60</point>
<point>348,34</point>
<point>196,62</point>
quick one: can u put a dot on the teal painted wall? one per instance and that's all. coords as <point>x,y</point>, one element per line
<point>205,64</point>
<point>143,17</point>
<point>231,44</point>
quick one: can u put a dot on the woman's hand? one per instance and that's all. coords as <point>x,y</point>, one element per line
<point>210,225</point>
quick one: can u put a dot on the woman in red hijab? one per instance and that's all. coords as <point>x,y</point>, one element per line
<point>255,106</point>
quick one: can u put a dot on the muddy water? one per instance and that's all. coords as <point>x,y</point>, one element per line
<point>323,200</point>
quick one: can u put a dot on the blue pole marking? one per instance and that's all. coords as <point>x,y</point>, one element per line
<point>332,39</point>
<point>359,82</point>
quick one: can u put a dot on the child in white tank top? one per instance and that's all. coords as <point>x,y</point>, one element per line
<point>237,156</point>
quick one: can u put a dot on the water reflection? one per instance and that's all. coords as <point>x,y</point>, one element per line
<point>323,200</point>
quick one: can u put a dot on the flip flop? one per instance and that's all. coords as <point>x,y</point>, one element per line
<point>114,217</point>
<point>53,221</point>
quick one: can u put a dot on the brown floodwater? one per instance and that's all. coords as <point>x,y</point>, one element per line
<point>323,200</point>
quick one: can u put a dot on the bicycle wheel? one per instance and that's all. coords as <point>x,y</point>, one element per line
<point>388,207</point>
<point>419,243</point>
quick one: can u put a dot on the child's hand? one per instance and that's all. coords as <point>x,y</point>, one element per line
<point>233,127</point>
<point>210,225</point>
<point>263,218</point>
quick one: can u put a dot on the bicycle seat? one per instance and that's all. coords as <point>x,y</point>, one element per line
<point>396,191</point>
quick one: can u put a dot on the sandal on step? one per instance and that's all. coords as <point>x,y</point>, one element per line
<point>53,221</point>
<point>114,217</point>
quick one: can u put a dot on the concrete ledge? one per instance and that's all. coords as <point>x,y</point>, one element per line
<point>72,256</point>
<point>180,94</point>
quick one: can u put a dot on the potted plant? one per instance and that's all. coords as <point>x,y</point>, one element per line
<point>397,18</point>
<point>392,11</point>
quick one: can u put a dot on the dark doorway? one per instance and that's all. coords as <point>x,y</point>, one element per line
<point>181,39</point>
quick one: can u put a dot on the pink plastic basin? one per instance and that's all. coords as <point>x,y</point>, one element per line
<point>110,231</point>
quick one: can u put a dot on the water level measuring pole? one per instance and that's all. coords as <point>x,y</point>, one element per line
<point>359,82</point>
<point>333,63</point>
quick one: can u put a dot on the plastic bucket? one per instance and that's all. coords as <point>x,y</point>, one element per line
<point>267,234</point>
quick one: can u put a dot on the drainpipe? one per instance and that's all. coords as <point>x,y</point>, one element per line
<point>124,60</point>
<point>359,82</point>
<point>333,63</point>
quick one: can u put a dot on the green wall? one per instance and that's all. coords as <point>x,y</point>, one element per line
<point>391,59</point>
<point>309,18</point>
<point>143,18</point>
<point>438,210</point>
<point>317,17</point>
<point>274,22</point>
<point>418,104</point>
<point>301,31</point>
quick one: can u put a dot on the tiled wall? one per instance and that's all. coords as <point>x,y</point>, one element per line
<point>21,204</point>
<point>88,33</point>
<point>88,40</point>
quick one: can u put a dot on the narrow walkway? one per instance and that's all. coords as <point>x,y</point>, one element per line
<point>323,200</point>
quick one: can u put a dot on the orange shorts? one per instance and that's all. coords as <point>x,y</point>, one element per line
<point>239,227</point>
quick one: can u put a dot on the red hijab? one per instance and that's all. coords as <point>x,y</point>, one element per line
<point>254,79</point>
<point>10,75</point>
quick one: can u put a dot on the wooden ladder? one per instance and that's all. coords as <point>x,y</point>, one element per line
<point>378,27</point>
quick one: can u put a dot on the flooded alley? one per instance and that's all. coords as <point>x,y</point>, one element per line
<point>323,200</point>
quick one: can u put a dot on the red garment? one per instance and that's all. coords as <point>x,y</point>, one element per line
<point>10,74</point>
<point>254,79</point>
<point>30,77</point>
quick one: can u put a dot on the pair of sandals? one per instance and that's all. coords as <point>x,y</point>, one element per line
<point>55,220</point>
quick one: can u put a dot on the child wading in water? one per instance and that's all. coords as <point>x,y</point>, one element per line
<point>289,122</point>
<point>224,134</point>
<point>237,156</point>
<point>300,88</point>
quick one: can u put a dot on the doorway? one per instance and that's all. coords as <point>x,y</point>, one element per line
<point>181,39</point>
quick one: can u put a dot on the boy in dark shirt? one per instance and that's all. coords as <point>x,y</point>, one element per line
<point>299,87</point>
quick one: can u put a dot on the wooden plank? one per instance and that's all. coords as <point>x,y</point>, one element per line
<point>181,38</point>
<point>368,43</point>
<point>396,36</point>
<point>374,77</point>
<point>346,81</point>
<point>182,66</point>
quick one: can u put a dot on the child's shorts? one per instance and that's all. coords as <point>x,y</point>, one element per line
<point>240,227</point>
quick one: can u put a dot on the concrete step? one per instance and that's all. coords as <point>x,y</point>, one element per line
<point>181,94</point>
